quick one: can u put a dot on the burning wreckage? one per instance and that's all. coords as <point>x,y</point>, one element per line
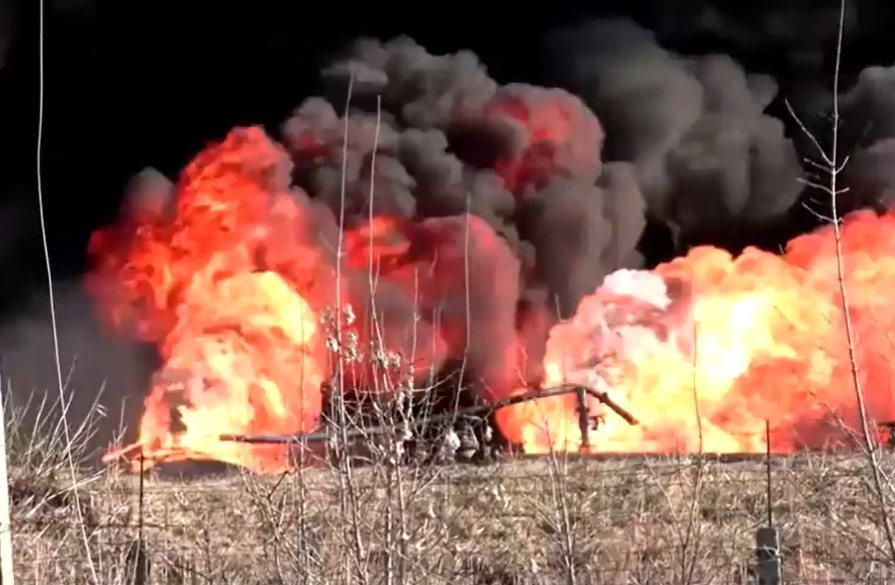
<point>465,434</point>
<point>413,426</point>
<point>424,426</point>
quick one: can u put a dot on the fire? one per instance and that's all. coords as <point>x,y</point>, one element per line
<point>208,282</point>
<point>741,341</point>
<point>549,126</point>
<point>231,276</point>
<point>235,375</point>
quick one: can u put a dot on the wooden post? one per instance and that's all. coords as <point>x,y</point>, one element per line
<point>767,538</point>
<point>7,577</point>
<point>583,418</point>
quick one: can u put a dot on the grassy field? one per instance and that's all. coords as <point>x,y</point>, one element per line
<point>633,520</point>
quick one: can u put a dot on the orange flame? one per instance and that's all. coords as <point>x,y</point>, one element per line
<point>755,338</point>
<point>241,344</point>
<point>229,282</point>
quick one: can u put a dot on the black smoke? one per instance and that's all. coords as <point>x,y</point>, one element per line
<point>452,140</point>
<point>867,113</point>
<point>695,128</point>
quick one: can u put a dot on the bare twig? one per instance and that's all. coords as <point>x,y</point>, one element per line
<point>346,475</point>
<point>832,165</point>
<point>693,533</point>
<point>52,301</point>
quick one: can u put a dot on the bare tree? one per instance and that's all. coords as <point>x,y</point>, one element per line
<point>832,164</point>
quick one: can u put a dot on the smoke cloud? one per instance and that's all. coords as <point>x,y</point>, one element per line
<point>104,375</point>
<point>868,137</point>
<point>705,152</point>
<point>449,140</point>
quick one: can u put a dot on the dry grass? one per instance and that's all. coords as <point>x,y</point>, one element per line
<point>626,520</point>
<point>576,521</point>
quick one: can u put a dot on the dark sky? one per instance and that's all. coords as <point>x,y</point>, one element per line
<point>135,84</point>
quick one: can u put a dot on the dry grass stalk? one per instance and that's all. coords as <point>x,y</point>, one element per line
<point>612,521</point>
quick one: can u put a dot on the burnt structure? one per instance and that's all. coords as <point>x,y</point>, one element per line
<point>406,430</point>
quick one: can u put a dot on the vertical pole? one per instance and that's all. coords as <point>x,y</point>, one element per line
<point>142,494</point>
<point>770,499</point>
<point>137,559</point>
<point>767,538</point>
<point>583,418</point>
<point>7,577</point>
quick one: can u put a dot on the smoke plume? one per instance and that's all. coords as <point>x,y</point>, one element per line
<point>868,137</point>
<point>104,375</point>
<point>694,127</point>
<point>451,140</point>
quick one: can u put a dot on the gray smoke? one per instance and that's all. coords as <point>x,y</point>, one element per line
<point>694,127</point>
<point>591,228</point>
<point>449,139</point>
<point>867,136</point>
<point>105,375</point>
<point>867,108</point>
<point>422,90</point>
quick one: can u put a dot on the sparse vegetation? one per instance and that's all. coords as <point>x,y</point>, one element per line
<point>522,521</point>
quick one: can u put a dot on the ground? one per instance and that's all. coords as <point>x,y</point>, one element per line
<point>629,520</point>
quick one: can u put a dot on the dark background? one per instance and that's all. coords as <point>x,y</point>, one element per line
<point>136,84</point>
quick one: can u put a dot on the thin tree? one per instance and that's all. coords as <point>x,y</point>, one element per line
<point>831,164</point>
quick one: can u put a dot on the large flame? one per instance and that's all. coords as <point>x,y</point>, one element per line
<point>209,281</point>
<point>227,278</point>
<point>709,350</point>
